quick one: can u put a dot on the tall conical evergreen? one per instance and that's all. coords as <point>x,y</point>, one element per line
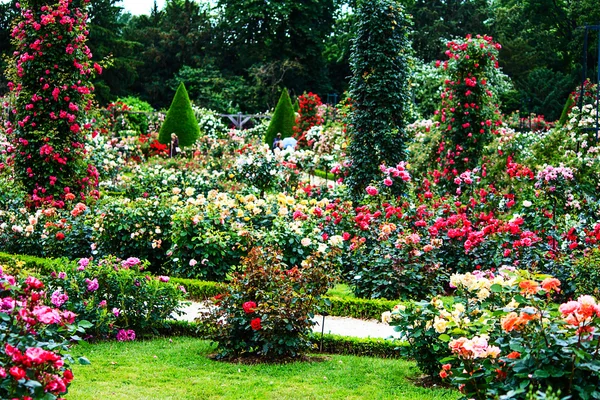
<point>180,120</point>
<point>283,120</point>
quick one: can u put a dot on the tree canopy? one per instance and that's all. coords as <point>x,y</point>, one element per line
<point>237,55</point>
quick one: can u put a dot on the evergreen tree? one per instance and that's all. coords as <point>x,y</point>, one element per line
<point>180,120</point>
<point>379,90</point>
<point>283,120</point>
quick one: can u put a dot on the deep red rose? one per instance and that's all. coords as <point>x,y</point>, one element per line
<point>255,324</point>
<point>249,307</point>
<point>60,236</point>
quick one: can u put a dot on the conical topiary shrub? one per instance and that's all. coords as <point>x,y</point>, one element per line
<point>283,120</point>
<point>180,120</point>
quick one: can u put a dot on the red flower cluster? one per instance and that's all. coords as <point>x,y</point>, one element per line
<point>52,90</point>
<point>308,116</point>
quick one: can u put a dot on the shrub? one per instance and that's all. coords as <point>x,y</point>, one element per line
<point>309,116</point>
<point>379,90</point>
<point>138,116</point>
<point>114,295</point>
<point>47,232</point>
<point>140,227</point>
<point>180,120</point>
<point>501,336</point>
<point>50,75</point>
<point>283,119</point>
<point>34,338</point>
<point>537,348</point>
<point>586,274</point>
<point>205,244</point>
<point>267,309</point>
<point>210,123</point>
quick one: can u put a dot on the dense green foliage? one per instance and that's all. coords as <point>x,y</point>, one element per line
<point>283,120</point>
<point>379,90</point>
<point>180,120</point>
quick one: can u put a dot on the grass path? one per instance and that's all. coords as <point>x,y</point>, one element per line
<point>179,368</point>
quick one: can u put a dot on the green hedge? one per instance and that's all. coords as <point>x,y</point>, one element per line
<point>32,264</point>
<point>382,348</point>
<point>358,308</point>
<point>332,344</point>
<point>199,290</point>
<point>202,290</point>
<point>323,174</point>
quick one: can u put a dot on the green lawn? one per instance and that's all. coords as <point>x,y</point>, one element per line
<point>179,369</point>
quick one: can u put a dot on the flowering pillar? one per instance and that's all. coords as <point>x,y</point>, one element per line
<point>50,76</point>
<point>469,115</point>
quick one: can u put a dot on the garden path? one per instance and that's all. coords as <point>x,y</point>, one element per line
<point>335,325</point>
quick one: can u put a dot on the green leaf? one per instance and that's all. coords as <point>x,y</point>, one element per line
<point>83,361</point>
<point>85,324</point>
<point>444,337</point>
<point>496,288</point>
<point>541,373</point>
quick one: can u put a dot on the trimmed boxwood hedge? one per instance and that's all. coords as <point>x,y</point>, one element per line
<point>332,344</point>
<point>31,264</point>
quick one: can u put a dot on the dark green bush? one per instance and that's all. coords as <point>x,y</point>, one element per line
<point>586,274</point>
<point>283,120</point>
<point>379,90</point>
<point>139,113</point>
<point>180,120</point>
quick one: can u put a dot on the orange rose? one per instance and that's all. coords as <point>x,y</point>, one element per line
<point>529,287</point>
<point>550,284</point>
<point>509,321</point>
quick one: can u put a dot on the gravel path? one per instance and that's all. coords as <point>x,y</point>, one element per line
<point>336,325</point>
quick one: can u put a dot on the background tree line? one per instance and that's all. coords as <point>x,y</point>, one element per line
<point>236,55</point>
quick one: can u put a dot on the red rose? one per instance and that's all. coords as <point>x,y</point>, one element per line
<point>255,324</point>
<point>249,307</point>
<point>19,373</point>
<point>60,236</point>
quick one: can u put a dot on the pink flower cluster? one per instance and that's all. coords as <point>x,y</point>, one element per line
<point>23,363</point>
<point>581,313</point>
<point>477,347</point>
<point>126,335</point>
<point>399,172</point>
<point>550,175</point>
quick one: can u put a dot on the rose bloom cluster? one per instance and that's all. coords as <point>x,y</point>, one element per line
<point>29,367</point>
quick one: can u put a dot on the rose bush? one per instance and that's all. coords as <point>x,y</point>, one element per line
<point>35,337</point>
<point>266,310</point>
<point>114,295</point>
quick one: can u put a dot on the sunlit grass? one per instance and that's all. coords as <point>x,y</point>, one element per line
<point>179,368</point>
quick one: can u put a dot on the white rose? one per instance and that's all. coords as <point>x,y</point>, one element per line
<point>527,203</point>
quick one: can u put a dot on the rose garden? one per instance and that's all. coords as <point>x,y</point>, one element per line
<point>476,237</point>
